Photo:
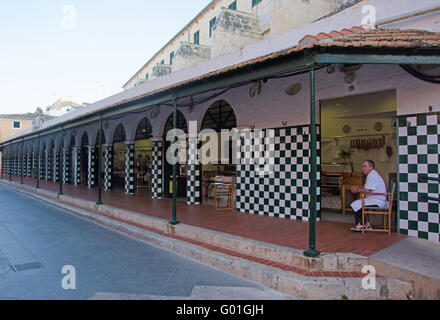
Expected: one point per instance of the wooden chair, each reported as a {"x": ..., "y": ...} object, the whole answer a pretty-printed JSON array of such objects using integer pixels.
[
  {"x": 140, "y": 186},
  {"x": 379, "y": 211},
  {"x": 224, "y": 190}
]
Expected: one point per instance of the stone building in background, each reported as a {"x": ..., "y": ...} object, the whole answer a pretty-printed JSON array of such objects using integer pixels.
[{"x": 228, "y": 25}]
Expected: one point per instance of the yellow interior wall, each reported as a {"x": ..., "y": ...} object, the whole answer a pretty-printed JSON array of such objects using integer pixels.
[{"x": 361, "y": 113}]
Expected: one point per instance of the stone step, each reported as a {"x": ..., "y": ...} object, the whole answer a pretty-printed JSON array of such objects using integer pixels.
[{"x": 313, "y": 285}]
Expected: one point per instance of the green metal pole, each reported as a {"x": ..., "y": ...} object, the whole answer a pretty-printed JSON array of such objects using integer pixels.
[
  {"x": 38, "y": 165},
  {"x": 99, "y": 163},
  {"x": 60, "y": 164},
  {"x": 174, "y": 219},
  {"x": 312, "y": 252}
]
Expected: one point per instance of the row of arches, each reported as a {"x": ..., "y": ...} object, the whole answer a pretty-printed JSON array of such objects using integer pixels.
[{"x": 121, "y": 160}]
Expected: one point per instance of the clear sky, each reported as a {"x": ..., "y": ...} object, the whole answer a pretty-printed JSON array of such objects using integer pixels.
[{"x": 78, "y": 49}]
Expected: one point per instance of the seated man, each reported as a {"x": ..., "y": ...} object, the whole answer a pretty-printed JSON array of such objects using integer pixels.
[{"x": 373, "y": 184}]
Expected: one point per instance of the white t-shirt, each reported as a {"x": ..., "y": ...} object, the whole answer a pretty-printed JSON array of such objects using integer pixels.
[{"x": 375, "y": 184}]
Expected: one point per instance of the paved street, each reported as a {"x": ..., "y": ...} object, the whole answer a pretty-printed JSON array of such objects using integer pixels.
[{"x": 38, "y": 240}]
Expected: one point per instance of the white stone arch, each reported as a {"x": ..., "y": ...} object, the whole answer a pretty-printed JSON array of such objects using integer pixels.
[
  {"x": 166, "y": 116},
  {"x": 138, "y": 122},
  {"x": 112, "y": 130},
  {"x": 206, "y": 106},
  {"x": 68, "y": 134}
]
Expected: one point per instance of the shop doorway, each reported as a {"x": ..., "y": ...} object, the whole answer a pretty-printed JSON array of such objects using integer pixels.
[
  {"x": 84, "y": 158},
  {"x": 168, "y": 168},
  {"x": 143, "y": 151},
  {"x": 119, "y": 154},
  {"x": 354, "y": 129},
  {"x": 220, "y": 116}
]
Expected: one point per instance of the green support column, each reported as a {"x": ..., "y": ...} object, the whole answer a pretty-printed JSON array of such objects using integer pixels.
[
  {"x": 312, "y": 252},
  {"x": 174, "y": 219},
  {"x": 99, "y": 202}
]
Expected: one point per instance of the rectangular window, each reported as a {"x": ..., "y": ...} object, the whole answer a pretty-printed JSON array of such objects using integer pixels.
[
  {"x": 197, "y": 37},
  {"x": 146, "y": 76},
  {"x": 211, "y": 25},
  {"x": 171, "y": 58},
  {"x": 16, "y": 125},
  {"x": 255, "y": 2},
  {"x": 163, "y": 61},
  {"x": 233, "y": 5}
]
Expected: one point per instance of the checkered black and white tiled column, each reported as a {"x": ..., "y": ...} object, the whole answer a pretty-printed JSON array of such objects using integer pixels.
[
  {"x": 47, "y": 168},
  {"x": 157, "y": 169},
  {"x": 49, "y": 163},
  {"x": 15, "y": 165},
  {"x": 66, "y": 166},
  {"x": 29, "y": 165},
  {"x": 273, "y": 173},
  {"x": 41, "y": 165},
  {"x": 19, "y": 165},
  {"x": 194, "y": 188},
  {"x": 91, "y": 165},
  {"x": 129, "y": 169},
  {"x": 419, "y": 171},
  {"x": 56, "y": 165},
  {"x": 34, "y": 164},
  {"x": 108, "y": 168},
  {"x": 76, "y": 158}
]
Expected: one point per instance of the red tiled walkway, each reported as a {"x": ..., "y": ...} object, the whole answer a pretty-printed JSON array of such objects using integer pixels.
[{"x": 331, "y": 236}]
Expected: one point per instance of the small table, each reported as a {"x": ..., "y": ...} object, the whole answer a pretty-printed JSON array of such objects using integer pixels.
[{"x": 345, "y": 188}]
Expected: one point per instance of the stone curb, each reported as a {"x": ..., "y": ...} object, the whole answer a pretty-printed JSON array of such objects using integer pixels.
[
  {"x": 338, "y": 262},
  {"x": 312, "y": 288}
]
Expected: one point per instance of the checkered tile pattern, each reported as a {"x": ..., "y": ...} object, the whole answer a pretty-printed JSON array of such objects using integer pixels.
[
  {"x": 56, "y": 165},
  {"x": 129, "y": 169},
  {"x": 47, "y": 166},
  {"x": 108, "y": 168},
  {"x": 29, "y": 164},
  {"x": 193, "y": 188},
  {"x": 91, "y": 176},
  {"x": 273, "y": 173},
  {"x": 23, "y": 164},
  {"x": 34, "y": 165},
  {"x": 156, "y": 170},
  {"x": 419, "y": 138},
  {"x": 19, "y": 165},
  {"x": 66, "y": 166},
  {"x": 3, "y": 164},
  {"x": 41, "y": 165},
  {"x": 15, "y": 165},
  {"x": 76, "y": 174},
  {"x": 49, "y": 171}
]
